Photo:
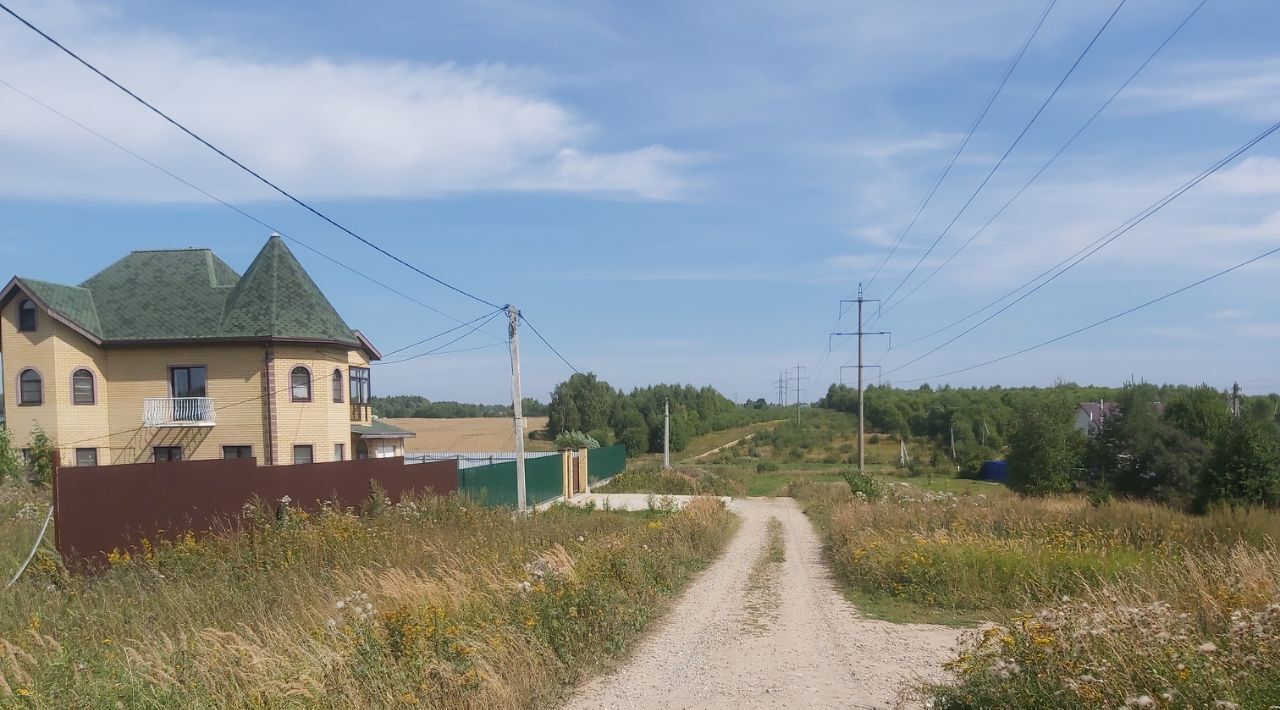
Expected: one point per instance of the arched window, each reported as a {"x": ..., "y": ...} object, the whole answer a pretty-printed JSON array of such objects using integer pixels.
[
  {"x": 82, "y": 387},
  {"x": 300, "y": 381},
  {"x": 362, "y": 450},
  {"x": 26, "y": 315},
  {"x": 337, "y": 386},
  {"x": 30, "y": 388}
]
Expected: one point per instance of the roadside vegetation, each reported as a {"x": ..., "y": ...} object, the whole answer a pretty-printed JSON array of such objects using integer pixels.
[
  {"x": 434, "y": 602},
  {"x": 1116, "y": 604}
]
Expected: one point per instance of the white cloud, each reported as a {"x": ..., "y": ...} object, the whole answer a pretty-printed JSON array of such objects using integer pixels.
[
  {"x": 894, "y": 148},
  {"x": 1246, "y": 87},
  {"x": 1229, "y": 314},
  {"x": 321, "y": 127},
  {"x": 1255, "y": 175}
]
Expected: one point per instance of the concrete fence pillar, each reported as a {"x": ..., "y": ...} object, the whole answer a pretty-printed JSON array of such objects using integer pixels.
[
  {"x": 582, "y": 469},
  {"x": 566, "y": 472}
]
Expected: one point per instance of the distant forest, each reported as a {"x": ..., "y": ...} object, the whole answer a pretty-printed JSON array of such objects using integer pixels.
[
  {"x": 1190, "y": 447},
  {"x": 590, "y": 405},
  {"x": 412, "y": 405}
]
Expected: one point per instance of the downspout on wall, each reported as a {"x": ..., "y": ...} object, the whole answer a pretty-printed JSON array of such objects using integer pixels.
[{"x": 269, "y": 399}]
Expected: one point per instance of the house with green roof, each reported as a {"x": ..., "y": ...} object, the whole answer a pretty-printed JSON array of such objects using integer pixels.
[{"x": 170, "y": 354}]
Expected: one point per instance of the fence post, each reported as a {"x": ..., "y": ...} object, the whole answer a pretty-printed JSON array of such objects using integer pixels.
[
  {"x": 566, "y": 471},
  {"x": 582, "y": 470},
  {"x": 57, "y": 522}
]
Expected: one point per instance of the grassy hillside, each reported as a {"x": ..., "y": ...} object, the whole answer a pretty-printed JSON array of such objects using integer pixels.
[{"x": 782, "y": 453}]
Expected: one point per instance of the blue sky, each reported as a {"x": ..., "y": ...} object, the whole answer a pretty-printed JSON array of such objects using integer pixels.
[{"x": 677, "y": 191}]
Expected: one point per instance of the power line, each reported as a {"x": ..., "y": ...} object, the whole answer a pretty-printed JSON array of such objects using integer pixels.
[
  {"x": 972, "y": 129},
  {"x": 1101, "y": 242},
  {"x": 438, "y": 348},
  {"x": 1104, "y": 321},
  {"x": 126, "y": 150},
  {"x": 444, "y": 333},
  {"x": 236, "y": 162},
  {"x": 1054, "y": 157},
  {"x": 549, "y": 345},
  {"x": 1071, "y": 70}
]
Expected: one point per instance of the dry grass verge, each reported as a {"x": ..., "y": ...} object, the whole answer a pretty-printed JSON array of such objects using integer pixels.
[
  {"x": 435, "y": 603},
  {"x": 1126, "y": 604}
]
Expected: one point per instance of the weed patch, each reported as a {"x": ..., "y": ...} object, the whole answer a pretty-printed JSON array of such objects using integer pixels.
[
  {"x": 1116, "y": 604},
  {"x": 432, "y": 603},
  {"x": 764, "y": 595}
]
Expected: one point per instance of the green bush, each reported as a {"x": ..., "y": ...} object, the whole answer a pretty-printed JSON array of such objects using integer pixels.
[
  {"x": 576, "y": 440},
  {"x": 862, "y": 484},
  {"x": 10, "y": 461},
  {"x": 40, "y": 463},
  {"x": 766, "y": 466}
]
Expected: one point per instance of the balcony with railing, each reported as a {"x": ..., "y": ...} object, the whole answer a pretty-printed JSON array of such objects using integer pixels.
[
  {"x": 360, "y": 412},
  {"x": 178, "y": 412}
]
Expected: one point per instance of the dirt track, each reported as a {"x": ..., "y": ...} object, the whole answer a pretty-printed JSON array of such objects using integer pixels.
[{"x": 791, "y": 641}]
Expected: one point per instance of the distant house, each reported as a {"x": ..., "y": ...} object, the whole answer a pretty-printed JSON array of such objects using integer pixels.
[
  {"x": 170, "y": 355},
  {"x": 1090, "y": 415}
]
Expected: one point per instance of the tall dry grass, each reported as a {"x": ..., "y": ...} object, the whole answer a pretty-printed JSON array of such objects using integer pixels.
[
  {"x": 435, "y": 603},
  {"x": 1125, "y": 604}
]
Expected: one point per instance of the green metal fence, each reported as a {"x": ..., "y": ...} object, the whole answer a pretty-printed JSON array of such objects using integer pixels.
[
  {"x": 605, "y": 462},
  {"x": 495, "y": 484}
]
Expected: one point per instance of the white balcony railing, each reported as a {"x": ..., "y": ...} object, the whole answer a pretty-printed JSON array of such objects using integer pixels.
[{"x": 178, "y": 411}]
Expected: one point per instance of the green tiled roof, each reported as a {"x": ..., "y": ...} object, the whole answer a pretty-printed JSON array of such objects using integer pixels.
[
  {"x": 277, "y": 298},
  {"x": 162, "y": 295},
  {"x": 191, "y": 294},
  {"x": 379, "y": 428},
  {"x": 73, "y": 302}
]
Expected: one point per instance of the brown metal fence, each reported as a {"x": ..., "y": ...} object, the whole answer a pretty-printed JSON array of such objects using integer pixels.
[{"x": 98, "y": 509}]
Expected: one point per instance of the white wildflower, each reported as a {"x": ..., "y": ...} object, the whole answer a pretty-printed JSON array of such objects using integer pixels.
[
  {"x": 285, "y": 500},
  {"x": 1141, "y": 701},
  {"x": 1207, "y": 647}
]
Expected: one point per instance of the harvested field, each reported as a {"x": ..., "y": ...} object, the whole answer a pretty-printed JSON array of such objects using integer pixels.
[{"x": 474, "y": 434}]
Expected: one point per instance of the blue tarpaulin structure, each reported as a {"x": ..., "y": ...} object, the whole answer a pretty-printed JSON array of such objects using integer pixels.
[{"x": 995, "y": 471}]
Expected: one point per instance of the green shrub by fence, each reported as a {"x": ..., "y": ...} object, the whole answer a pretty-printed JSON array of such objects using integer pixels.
[
  {"x": 605, "y": 463},
  {"x": 495, "y": 484}
]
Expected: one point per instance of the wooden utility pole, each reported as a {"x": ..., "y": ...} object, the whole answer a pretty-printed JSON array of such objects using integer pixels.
[
  {"x": 1235, "y": 399},
  {"x": 666, "y": 434},
  {"x": 517, "y": 402},
  {"x": 859, "y": 333}
]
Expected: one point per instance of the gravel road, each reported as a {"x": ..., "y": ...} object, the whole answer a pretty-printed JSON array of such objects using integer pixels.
[{"x": 746, "y": 635}]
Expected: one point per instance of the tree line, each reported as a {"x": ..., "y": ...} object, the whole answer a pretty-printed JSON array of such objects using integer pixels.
[
  {"x": 1177, "y": 444},
  {"x": 405, "y": 406},
  {"x": 585, "y": 403}
]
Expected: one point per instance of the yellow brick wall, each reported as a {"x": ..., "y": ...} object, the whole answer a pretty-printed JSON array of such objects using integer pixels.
[
  {"x": 234, "y": 382},
  {"x": 321, "y": 423},
  {"x": 79, "y": 425},
  {"x": 36, "y": 350}
]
